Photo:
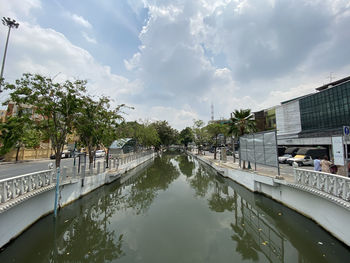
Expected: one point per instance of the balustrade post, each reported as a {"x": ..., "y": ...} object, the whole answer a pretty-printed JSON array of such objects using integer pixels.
[
  {"x": 98, "y": 167},
  {"x": 13, "y": 189},
  {"x": 1, "y": 193}
]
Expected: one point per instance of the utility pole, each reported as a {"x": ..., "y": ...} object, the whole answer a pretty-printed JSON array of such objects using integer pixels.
[{"x": 11, "y": 24}]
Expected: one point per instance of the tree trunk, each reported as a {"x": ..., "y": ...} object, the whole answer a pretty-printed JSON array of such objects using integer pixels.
[
  {"x": 58, "y": 157},
  {"x": 91, "y": 157},
  {"x": 17, "y": 152}
]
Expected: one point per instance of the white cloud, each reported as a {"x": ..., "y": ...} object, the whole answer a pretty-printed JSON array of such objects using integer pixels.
[
  {"x": 79, "y": 20},
  {"x": 232, "y": 53},
  {"x": 48, "y": 52},
  {"x": 19, "y": 9},
  {"x": 88, "y": 38},
  {"x": 271, "y": 51}
]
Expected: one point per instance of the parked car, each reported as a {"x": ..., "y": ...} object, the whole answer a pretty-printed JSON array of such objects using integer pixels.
[
  {"x": 100, "y": 153},
  {"x": 307, "y": 155},
  {"x": 288, "y": 153},
  {"x": 65, "y": 154}
]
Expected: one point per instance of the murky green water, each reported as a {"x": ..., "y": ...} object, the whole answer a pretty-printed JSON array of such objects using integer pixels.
[{"x": 175, "y": 210}]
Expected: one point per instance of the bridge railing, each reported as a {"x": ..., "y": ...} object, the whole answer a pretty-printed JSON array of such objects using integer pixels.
[
  {"x": 332, "y": 184},
  {"x": 11, "y": 188}
]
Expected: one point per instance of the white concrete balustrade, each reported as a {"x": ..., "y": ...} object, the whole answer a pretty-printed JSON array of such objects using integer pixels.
[
  {"x": 25, "y": 199},
  {"x": 331, "y": 184},
  {"x": 12, "y": 188}
]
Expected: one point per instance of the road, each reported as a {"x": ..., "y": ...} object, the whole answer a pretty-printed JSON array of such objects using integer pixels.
[{"x": 15, "y": 169}]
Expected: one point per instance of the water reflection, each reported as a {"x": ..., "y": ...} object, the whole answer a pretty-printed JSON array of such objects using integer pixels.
[
  {"x": 175, "y": 210},
  {"x": 143, "y": 188}
]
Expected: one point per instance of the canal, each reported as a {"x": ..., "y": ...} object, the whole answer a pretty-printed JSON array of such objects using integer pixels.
[{"x": 175, "y": 210}]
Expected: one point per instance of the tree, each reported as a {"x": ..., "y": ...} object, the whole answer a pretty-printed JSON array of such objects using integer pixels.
[
  {"x": 57, "y": 105},
  {"x": 186, "y": 136},
  {"x": 242, "y": 122},
  {"x": 200, "y": 133},
  {"x": 95, "y": 124},
  {"x": 167, "y": 135},
  {"x": 144, "y": 133},
  {"x": 18, "y": 132},
  {"x": 215, "y": 129}
]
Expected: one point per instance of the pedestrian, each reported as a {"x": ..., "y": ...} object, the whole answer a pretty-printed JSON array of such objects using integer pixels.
[
  {"x": 325, "y": 164},
  {"x": 317, "y": 164}
]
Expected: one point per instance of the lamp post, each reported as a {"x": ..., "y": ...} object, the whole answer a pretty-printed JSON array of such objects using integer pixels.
[{"x": 10, "y": 23}]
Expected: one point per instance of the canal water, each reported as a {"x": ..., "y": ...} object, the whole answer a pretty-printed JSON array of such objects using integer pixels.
[{"x": 175, "y": 210}]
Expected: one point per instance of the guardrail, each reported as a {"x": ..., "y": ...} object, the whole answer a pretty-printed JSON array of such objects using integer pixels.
[
  {"x": 11, "y": 188},
  {"x": 335, "y": 185}
]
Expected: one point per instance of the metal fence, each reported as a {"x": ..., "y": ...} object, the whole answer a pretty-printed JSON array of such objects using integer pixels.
[{"x": 259, "y": 148}]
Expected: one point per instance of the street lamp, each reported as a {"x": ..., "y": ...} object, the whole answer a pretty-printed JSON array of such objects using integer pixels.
[{"x": 10, "y": 23}]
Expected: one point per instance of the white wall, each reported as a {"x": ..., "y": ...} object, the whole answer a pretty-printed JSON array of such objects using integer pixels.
[
  {"x": 21, "y": 216},
  {"x": 331, "y": 216},
  {"x": 288, "y": 118}
]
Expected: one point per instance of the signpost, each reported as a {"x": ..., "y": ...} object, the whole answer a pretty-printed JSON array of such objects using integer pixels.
[
  {"x": 346, "y": 132},
  {"x": 338, "y": 150}
]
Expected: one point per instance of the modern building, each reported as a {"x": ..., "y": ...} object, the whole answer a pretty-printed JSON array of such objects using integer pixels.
[{"x": 313, "y": 119}]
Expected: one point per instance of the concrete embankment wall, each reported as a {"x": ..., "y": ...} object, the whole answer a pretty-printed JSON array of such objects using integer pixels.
[
  {"x": 330, "y": 215},
  {"x": 18, "y": 218}
]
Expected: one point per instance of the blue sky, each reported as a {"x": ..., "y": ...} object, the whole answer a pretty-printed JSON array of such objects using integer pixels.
[{"x": 171, "y": 59}]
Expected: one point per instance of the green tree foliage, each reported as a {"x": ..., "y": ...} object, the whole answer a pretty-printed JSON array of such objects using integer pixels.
[
  {"x": 200, "y": 134},
  {"x": 56, "y": 103},
  {"x": 186, "y": 136},
  {"x": 214, "y": 130},
  {"x": 145, "y": 133},
  {"x": 242, "y": 122},
  {"x": 96, "y": 123},
  {"x": 18, "y": 132},
  {"x": 167, "y": 135}
]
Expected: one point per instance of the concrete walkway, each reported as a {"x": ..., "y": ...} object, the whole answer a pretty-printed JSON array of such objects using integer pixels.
[{"x": 286, "y": 171}]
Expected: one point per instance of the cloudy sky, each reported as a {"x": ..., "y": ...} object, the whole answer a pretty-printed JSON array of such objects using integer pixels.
[{"x": 170, "y": 59}]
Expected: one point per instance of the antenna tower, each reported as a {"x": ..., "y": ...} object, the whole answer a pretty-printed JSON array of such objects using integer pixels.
[{"x": 212, "y": 111}]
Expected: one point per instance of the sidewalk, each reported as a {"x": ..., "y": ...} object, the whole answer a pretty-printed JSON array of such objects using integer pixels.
[{"x": 285, "y": 171}]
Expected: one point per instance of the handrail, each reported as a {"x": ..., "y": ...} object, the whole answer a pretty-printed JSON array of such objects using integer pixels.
[
  {"x": 13, "y": 187},
  {"x": 332, "y": 184}
]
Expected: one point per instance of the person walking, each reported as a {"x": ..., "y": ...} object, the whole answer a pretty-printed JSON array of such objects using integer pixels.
[
  {"x": 317, "y": 164},
  {"x": 325, "y": 164}
]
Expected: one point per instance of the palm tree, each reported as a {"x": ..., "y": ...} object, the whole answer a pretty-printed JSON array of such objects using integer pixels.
[{"x": 242, "y": 122}]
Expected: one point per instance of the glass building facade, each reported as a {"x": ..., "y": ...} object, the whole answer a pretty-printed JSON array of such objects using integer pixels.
[{"x": 328, "y": 109}]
